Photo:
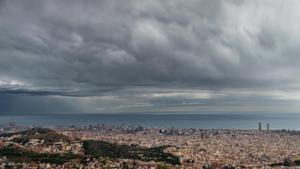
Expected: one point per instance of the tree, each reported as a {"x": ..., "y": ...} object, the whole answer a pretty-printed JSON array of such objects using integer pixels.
[{"x": 125, "y": 165}]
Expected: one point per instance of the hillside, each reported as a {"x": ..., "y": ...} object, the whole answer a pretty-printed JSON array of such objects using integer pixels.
[
  {"x": 106, "y": 149},
  {"x": 48, "y": 135},
  {"x": 17, "y": 154}
]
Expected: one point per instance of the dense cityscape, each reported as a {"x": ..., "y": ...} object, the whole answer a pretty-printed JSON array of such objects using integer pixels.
[{"x": 127, "y": 146}]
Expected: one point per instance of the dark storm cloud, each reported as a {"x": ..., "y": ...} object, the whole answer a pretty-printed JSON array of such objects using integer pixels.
[
  {"x": 117, "y": 48},
  {"x": 28, "y": 105}
]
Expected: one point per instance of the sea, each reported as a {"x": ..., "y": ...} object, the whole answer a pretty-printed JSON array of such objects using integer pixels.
[{"x": 183, "y": 120}]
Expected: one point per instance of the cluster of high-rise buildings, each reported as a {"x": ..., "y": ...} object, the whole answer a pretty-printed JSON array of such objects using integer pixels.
[{"x": 260, "y": 128}]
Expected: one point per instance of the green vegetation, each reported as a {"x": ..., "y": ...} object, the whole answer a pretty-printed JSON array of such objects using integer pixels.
[
  {"x": 297, "y": 162},
  {"x": 106, "y": 149},
  {"x": 29, "y": 132},
  {"x": 49, "y": 136},
  {"x": 276, "y": 164},
  {"x": 287, "y": 163},
  {"x": 125, "y": 166},
  {"x": 21, "y": 155}
]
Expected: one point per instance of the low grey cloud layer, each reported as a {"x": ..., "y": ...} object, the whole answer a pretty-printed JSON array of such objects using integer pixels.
[{"x": 162, "y": 56}]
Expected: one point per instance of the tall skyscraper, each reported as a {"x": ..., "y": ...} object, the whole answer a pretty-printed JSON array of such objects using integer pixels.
[
  {"x": 268, "y": 126},
  {"x": 259, "y": 126}
]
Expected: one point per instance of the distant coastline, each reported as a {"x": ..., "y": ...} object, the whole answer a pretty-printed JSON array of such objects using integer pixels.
[{"x": 207, "y": 121}]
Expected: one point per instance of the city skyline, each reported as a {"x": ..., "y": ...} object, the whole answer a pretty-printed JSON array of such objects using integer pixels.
[{"x": 64, "y": 57}]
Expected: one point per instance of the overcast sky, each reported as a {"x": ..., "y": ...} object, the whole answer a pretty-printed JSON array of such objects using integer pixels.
[{"x": 107, "y": 56}]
